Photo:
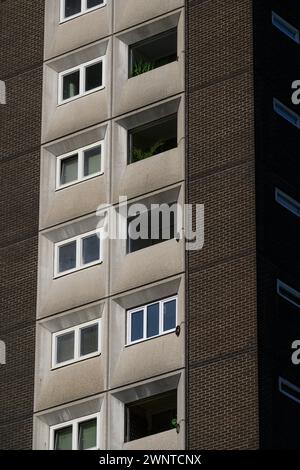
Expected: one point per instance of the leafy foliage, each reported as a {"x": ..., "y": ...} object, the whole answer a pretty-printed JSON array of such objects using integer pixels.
[
  {"x": 142, "y": 67},
  {"x": 139, "y": 154}
]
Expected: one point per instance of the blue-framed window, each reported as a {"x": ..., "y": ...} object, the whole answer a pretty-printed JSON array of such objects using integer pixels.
[
  {"x": 288, "y": 202},
  {"x": 285, "y": 27},
  {"x": 288, "y": 293},
  {"x": 289, "y": 389},
  {"x": 286, "y": 113}
]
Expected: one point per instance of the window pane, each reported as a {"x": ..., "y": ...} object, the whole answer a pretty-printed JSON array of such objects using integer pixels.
[
  {"x": 65, "y": 347},
  {"x": 72, "y": 7},
  {"x": 87, "y": 434},
  {"x": 90, "y": 249},
  {"x": 93, "y": 3},
  {"x": 63, "y": 439},
  {"x": 71, "y": 85},
  {"x": 69, "y": 169},
  {"x": 137, "y": 322},
  {"x": 92, "y": 161},
  {"x": 152, "y": 320},
  {"x": 88, "y": 340},
  {"x": 67, "y": 257},
  {"x": 170, "y": 315},
  {"x": 93, "y": 76}
]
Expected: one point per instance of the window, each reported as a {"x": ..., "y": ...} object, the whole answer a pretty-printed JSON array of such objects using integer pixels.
[
  {"x": 151, "y": 416},
  {"x": 71, "y": 8},
  {"x": 151, "y": 320},
  {"x": 288, "y": 293},
  {"x": 153, "y": 52},
  {"x": 152, "y": 138},
  {"x": 286, "y": 113},
  {"x": 80, "y": 165},
  {"x": 76, "y": 343},
  {"x": 287, "y": 202},
  {"x": 289, "y": 389},
  {"x": 77, "y": 253},
  {"x": 81, "y": 80},
  {"x": 151, "y": 227},
  {"x": 285, "y": 27},
  {"x": 78, "y": 434}
]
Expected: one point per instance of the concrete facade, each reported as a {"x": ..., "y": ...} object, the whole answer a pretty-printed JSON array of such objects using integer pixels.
[{"x": 120, "y": 281}]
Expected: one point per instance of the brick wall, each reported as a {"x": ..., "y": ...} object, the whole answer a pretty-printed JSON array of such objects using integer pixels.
[
  {"x": 21, "y": 58},
  {"x": 222, "y": 405}
]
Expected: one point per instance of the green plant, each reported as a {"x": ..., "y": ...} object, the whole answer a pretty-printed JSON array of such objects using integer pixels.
[
  {"x": 173, "y": 422},
  {"x": 142, "y": 67},
  {"x": 139, "y": 154}
]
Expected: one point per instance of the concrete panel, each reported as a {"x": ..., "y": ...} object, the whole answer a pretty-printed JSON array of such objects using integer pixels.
[
  {"x": 76, "y": 32},
  {"x": 150, "y": 87},
  {"x": 57, "y": 206},
  {"x": 160, "y": 355},
  {"x": 59, "y": 120},
  {"x": 138, "y": 11},
  {"x": 152, "y": 173},
  {"x": 74, "y": 289},
  {"x": 139, "y": 391},
  {"x": 150, "y": 264},
  {"x": 57, "y": 386},
  {"x": 43, "y": 420}
]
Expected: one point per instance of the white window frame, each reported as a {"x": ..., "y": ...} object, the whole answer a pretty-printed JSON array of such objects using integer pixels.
[
  {"x": 84, "y": 9},
  {"x": 77, "y": 343},
  {"x": 80, "y": 175},
  {"x": 75, "y": 431},
  {"x": 79, "y": 264},
  {"x": 82, "y": 77},
  {"x": 161, "y": 317}
]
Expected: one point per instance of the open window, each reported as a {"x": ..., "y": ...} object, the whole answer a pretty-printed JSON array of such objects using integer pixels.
[
  {"x": 152, "y": 226},
  {"x": 151, "y": 415},
  {"x": 153, "y": 52},
  {"x": 152, "y": 138}
]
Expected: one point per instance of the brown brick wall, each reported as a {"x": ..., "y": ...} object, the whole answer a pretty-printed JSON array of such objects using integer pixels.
[
  {"x": 222, "y": 405},
  {"x": 21, "y": 58}
]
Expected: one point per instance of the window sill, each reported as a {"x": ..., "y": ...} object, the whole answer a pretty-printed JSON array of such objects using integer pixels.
[
  {"x": 75, "y": 183},
  {"x": 77, "y": 361},
  {"x": 72, "y": 271},
  {"x": 77, "y": 97},
  {"x": 134, "y": 343}
]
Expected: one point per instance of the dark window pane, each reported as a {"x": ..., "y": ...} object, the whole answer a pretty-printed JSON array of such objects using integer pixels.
[
  {"x": 93, "y": 76},
  {"x": 137, "y": 323},
  {"x": 90, "y": 249},
  {"x": 72, "y": 7},
  {"x": 92, "y": 160},
  {"x": 87, "y": 434},
  {"x": 71, "y": 85},
  {"x": 94, "y": 3},
  {"x": 151, "y": 415},
  {"x": 63, "y": 439},
  {"x": 65, "y": 347},
  {"x": 153, "y": 52},
  {"x": 156, "y": 230},
  {"x": 152, "y": 320},
  {"x": 67, "y": 257},
  {"x": 152, "y": 139},
  {"x": 88, "y": 340},
  {"x": 169, "y": 315},
  {"x": 69, "y": 169}
]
